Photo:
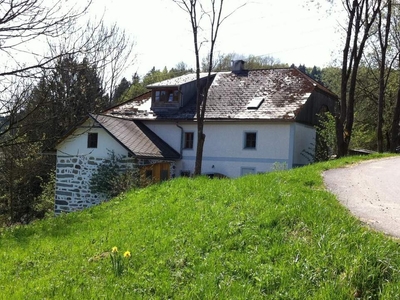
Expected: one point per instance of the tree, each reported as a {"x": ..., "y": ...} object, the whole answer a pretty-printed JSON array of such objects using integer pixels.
[
  {"x": 121, "y": 90},
  {"x": 60, "y": 27},
  {"x": 23, "y": 21},
  {"x": 196, "y": 11},
  {"x": 361, "y": 17},
  {"x": 22, "y": 172},
  {"x": 395, "y": 128},
  {"x": 223, "y": 62},
  {"x": 63, "y": 97},
  {"x": 110, "y": 50},
  {"x": 383, "y": 34}
]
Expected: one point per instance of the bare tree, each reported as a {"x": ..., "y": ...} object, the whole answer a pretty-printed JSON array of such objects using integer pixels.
[
  {"x": 64, "y": 33},
  {"x": 25, "y": 26},
  {"x": 24, "y": 21},
  {"x": 111, "y": 51},
  {"x": 197, "y": 11},
  {"x": 362, "y": 15}
]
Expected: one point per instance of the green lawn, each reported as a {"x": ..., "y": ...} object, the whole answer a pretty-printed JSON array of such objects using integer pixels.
[{"x": 279, "y": 235}]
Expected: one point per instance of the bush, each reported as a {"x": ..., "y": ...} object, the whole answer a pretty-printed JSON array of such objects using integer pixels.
[{"x": 114, "y": 176}]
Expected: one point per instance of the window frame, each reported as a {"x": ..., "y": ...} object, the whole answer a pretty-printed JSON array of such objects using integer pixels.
[
  {"x": 92, "y": 140},
  {"x": 188, "y": 144},
  {"x": 167, "y": 95},
  {"x": 247, "y": 141}
]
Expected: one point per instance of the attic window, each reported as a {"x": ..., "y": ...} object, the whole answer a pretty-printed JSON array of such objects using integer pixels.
[
  {"x": 255, "y": 103},
  {"x": 166, "y": 96}
]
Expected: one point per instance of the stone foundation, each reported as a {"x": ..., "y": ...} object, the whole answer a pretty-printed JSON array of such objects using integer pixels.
[{"x": 73, "y": 181}]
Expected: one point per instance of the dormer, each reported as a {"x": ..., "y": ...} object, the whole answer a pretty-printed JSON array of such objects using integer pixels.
[
  {"x": 172, "y": 94},
  {"x": 166, "y": 98}
]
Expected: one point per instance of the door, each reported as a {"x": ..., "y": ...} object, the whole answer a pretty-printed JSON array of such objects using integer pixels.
[{"x": 154, "y": 173}]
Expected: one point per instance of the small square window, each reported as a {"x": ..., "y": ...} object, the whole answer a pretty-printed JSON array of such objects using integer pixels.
[
  {"x": 92, "y": 140},
  {"x": 188, "y": 141},
  {"x": 250, "y": 140}
]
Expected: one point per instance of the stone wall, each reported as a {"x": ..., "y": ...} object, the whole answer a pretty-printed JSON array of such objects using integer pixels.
[
  {"x": 73, "y": 183},
  {"x": 73, "y": 174}
]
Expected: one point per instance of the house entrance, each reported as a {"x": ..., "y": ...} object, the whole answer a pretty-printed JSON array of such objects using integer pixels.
[{"x": 154, "y": 173}]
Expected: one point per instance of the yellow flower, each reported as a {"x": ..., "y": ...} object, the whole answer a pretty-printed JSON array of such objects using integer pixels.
[
  {"x": 127, "y": 254},
  {"x": 114, "y": 249}
]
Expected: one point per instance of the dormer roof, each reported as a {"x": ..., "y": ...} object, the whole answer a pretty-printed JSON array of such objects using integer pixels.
[{"x": 177, "y": 81}]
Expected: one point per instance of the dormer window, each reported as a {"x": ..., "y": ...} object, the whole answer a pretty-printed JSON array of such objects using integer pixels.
[{"x": 166, "y": 96}]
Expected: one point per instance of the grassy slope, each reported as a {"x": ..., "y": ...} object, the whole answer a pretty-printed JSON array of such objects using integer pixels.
[{"x": 275, "y": 236}]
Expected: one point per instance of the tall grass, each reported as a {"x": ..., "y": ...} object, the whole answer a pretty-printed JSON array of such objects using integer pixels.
[{"x": 269, "y": 236}]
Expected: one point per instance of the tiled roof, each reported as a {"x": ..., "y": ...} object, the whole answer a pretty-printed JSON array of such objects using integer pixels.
[
  {"x": 271, "y": 94},
  {"x": 280, "y": 92},
  {"x": 137, "y": 138}
]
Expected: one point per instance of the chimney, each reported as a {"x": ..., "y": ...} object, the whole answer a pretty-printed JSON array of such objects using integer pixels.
[{"x": 237, "y": 66}]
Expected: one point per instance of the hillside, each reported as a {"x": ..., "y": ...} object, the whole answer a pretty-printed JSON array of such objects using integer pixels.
[{"x": 270, "y": 236}]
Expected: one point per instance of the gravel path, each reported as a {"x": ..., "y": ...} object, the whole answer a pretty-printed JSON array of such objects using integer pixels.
[{"x": 371, "y": 191}]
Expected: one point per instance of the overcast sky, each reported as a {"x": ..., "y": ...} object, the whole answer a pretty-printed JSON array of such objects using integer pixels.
[{"x": 293, "y": 31}]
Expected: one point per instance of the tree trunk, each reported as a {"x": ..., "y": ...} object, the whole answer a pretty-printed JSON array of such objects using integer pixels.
[
  {"x": 383, "y": 40},
  {"x": 395, "y": 124},
  {"x": 201, "y": 137}
]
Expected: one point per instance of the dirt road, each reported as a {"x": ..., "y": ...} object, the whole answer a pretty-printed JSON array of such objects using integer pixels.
[{"x": 371, "y": 191}]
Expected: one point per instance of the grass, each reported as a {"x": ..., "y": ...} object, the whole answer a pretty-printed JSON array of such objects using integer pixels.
[{"x": 269, "y": 236}]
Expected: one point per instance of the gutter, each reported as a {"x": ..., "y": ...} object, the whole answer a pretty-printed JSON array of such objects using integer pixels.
[{"x": 181, "y": 147}]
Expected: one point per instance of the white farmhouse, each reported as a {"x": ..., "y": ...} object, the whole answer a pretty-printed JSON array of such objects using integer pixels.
[{"x": 254, "y": 119}]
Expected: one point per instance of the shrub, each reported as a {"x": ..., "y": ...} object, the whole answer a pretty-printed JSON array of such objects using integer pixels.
[{"x": 114, "y": 176}]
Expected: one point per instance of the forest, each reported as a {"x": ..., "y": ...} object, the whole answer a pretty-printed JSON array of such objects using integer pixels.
[{"x": 85, "y": 73}]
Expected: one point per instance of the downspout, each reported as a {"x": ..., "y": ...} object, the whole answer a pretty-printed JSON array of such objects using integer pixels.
[{"x": 181, "y": 147}]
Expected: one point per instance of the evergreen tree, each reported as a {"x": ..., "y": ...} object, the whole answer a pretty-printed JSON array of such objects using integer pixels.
[
  {"x": 63, "y": 98},
  {"x": 121, "y": 90}
]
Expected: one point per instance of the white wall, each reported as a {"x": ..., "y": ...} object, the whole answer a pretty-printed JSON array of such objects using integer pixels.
[
  {"x": 76, "y": 143},
  {"x": 76, "y": 164},
  {"x": 304, "y": 144},
  {"x": 224, "y": 146}
]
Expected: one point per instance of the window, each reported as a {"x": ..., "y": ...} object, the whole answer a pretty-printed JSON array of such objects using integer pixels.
[
  {"x": 188, "y": 140},
  {"x": 157, "y": 96},
  {"x": 250, "y": 141},
  {"x": 166, "y": 96},
  {"x": 92, "y": 140}
]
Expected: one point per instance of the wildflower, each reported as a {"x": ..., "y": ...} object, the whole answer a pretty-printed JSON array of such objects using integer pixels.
[
  {"x": 127, "y": 254},
  {"x": 114, "y": 249}
]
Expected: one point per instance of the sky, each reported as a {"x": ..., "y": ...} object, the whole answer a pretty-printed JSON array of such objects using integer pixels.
[{"x": 291, "y": 31}]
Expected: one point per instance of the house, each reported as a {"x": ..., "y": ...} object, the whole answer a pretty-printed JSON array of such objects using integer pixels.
[{"x": 254, "y": 119}]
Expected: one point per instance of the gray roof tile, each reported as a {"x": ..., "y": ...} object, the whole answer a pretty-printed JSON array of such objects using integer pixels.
[{"x": 137, "y": 138}]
